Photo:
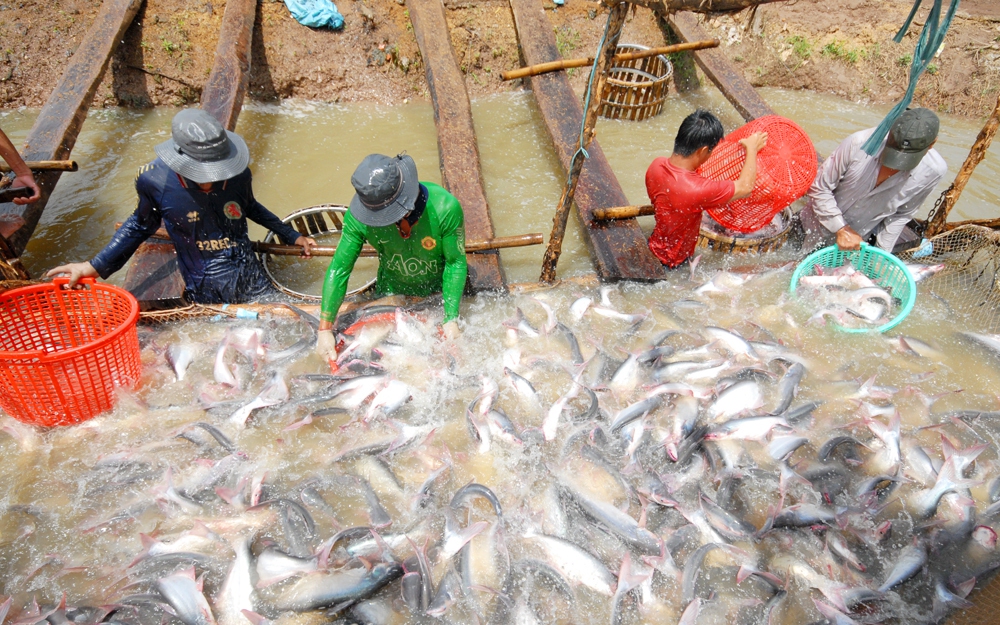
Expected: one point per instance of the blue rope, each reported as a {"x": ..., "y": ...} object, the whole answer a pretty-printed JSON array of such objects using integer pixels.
[
  {"x": 927, "y": 46},
  {"x": 586, "y": 103}
]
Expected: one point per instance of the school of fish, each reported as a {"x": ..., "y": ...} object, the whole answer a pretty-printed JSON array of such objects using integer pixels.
[{"x": 586, "y": 454}]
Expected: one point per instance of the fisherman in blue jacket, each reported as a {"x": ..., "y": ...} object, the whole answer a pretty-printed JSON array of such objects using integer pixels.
[{"x": 200, "y": 187}]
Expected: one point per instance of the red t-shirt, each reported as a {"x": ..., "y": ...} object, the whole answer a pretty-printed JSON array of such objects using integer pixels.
[{"x": 679, "y": 196}]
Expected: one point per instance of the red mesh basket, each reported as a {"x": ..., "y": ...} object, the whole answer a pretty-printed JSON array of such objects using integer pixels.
[
  {"x": 786, "y": 168},
  {"x": 63, "y": 352}
]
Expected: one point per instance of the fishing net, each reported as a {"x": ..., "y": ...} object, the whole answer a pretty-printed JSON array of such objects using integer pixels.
[
  {"x": 786, "y": 167},
  {"x": 985, "y": 600},
  {"x": 192, "y": 311},
  {"x": 968, "y": 282}
]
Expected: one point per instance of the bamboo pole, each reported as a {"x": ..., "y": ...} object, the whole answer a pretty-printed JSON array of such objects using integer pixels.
[
  {"x": 45, "y": 166},
  {"x": 616, "y": 20},
  {"x": 936, "y": 223},
  {"x": 496, "y": 243},
  {"x": 623, "y": 212},
  {"x": 552, "y": 66},
  {"x": 275, "y": 249}
]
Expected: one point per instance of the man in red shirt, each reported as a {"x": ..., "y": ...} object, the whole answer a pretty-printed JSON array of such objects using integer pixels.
[{"x": 679, "y": 194}]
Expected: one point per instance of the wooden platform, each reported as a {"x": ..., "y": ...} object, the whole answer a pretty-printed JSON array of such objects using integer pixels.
[
  {"x": 618, "y": 248},
  {"x": 457, "y": 146},
  {"x": 58, "y": 125}
]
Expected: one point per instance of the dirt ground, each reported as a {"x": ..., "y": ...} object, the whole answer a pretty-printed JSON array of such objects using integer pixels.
[{"x": 843, "y": 47}]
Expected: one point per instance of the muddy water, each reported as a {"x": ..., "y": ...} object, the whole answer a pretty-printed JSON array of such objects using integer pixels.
[
  {"x": 304, "y": 154},
  {"x": 77, "y": 500}
]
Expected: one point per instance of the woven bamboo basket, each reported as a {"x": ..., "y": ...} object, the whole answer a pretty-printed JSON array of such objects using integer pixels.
[
  {"x": 636, "y": 89},
  {"x": 768, "y": 239}
]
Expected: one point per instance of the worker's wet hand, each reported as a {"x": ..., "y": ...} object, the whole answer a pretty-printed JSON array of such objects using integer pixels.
[
  {"x": 451, "y": 330},
  {"x": 326, "y": 344},
  {"x": 848, "y": 239},
  {"x": 27, "y": 180},
  {"x": 307, "y": 244},
  {"x": 754, "y": 142},
  {"x": 75, "y": 271}
]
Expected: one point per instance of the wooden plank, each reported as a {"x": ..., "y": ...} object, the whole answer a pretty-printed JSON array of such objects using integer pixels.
[
  {"x": 719, "y": 70},
  {"x": 227, "y": 84},
  {"x": 618, "y": 248},
  {"x": 457, "y": 147},
  {"x": 55, "y": 131},
  {"x": 223, "y": 97}
]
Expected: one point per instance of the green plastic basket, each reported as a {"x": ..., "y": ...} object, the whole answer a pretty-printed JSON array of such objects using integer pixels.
[{"x": 883, "y": 268}]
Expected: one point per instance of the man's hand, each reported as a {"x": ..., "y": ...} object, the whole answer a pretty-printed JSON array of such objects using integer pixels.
[
  {"x": 326, "y": 344},
  {"x": 75, "y": 271},
  {"x": 27, "y": 180},
  {"x": 306, "y": 243},
  {"x": 451, "y": 330},
  {"x": 848, "y": 239},
  {"x": 754, "y": 142}
]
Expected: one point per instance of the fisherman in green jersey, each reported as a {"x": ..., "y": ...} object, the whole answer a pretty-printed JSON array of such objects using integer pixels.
[{"x": 418, "y": 230}]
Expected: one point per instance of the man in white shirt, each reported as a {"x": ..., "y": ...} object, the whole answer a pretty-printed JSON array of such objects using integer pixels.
[{"x": 857, "y": 197}]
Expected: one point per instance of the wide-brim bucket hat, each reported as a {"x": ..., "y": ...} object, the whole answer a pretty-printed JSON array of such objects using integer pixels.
[
  {"x": 201, "y": 150},
  {"x": 387, "y": 189}
]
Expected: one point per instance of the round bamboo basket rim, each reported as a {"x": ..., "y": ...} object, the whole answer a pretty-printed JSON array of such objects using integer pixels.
[{"x": 749, "y": 242}]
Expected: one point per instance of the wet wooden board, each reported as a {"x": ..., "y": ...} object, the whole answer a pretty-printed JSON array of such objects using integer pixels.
[
  {"x": 457, "y": 147},
  {"x": 55, "y": 131},
  {"x": 719, "y": 70},
  {"x": 222, "y": 97},
  {"x": 617, "y": 248},
  {"x": 160, "y": 284},
  {"x": 230, "y": 78}
]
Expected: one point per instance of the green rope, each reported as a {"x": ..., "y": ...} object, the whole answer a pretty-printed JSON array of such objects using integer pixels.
[{"x": 927, "y": 46}]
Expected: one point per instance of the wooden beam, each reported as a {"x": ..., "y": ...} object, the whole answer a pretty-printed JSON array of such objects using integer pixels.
[
  {"x": 618, "y": 248},
  {"x": 719, "y": 70},
  {"x": 227, "y": 84},
  {"x": 457, "y": 147},
  {"x": 55, "y": 131},
  {"x": 152, "y": 276}
]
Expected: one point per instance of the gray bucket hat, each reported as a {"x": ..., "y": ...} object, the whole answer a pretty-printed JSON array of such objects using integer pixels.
[
  {"x": 387, "y": 189},
  {"x": 909, "y": 139},
  {"x": 200, "y": 149}
]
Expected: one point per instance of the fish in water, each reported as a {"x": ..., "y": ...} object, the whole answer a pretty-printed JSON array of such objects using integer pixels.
[{"x": 567, "y": 468}]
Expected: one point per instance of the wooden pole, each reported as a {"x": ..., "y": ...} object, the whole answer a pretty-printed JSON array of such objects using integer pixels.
[
  {"x": 936, "y": 223},
  {"x": 45, "y": 166},
  {"x": 623, "y": 212},
  {"x": 544, "y": 68},
  {"x": 484, "y": 245},
  {"x": 521, "y": 240},
  {"x": 616, "y": 20}
]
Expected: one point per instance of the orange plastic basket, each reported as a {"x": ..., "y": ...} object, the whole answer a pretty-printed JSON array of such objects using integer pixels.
[
  {"x": 63, "y": 352},
  {"x": 786, "y": 168}
]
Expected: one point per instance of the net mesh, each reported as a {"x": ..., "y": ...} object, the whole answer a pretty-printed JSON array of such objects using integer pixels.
[
  {"x": 968, "y": 280},
  {"x": 786, "y": 167}
]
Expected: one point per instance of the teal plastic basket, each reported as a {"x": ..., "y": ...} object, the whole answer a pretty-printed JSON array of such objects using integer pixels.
[{"x": 883, "y": 268}]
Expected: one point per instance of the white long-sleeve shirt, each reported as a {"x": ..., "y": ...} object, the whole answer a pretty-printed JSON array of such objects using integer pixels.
[{"x": 844, "y": 193}]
